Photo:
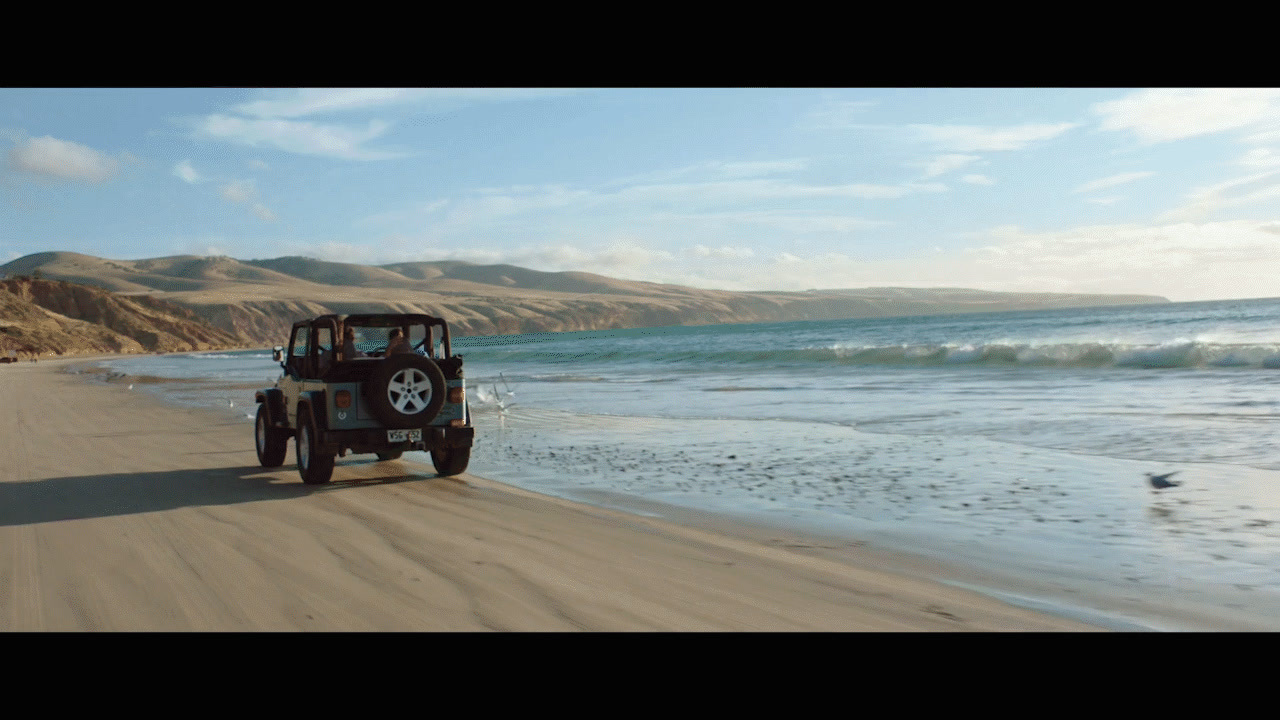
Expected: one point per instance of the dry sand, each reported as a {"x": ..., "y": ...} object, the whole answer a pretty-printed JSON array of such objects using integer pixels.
[{"x": 120, "y": 513}]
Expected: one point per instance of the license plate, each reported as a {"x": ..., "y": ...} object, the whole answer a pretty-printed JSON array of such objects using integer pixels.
[{"x": 403, "y": 435}]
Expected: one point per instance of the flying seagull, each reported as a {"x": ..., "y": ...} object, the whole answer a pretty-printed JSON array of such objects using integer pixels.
[{"x": 1160, "y": 482}]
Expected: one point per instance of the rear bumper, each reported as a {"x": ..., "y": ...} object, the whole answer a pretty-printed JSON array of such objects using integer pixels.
[{"x": 371, "y": 440}]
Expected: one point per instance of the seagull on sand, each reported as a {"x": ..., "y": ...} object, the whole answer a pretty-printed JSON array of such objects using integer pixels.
[{"x": 1160, "y": 482}]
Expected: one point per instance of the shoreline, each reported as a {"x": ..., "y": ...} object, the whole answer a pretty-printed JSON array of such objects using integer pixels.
[
  {"x": 1074, "y": 585},
  {"x": 1112, "y": 551},
  {"x": 164, "y": 521}
]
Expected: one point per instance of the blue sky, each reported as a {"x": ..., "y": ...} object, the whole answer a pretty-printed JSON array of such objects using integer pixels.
[{"x": 1166, "y": 191}]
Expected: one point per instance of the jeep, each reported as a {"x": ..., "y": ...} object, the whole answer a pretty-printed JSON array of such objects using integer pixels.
[{"x": 365, "y": 395}]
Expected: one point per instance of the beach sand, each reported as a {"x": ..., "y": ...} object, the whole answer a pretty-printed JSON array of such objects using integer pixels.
[{"x": 118, "y": 512}]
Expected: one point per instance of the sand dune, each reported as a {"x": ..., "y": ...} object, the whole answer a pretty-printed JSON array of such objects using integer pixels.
[{"x": 119, "y": 513}]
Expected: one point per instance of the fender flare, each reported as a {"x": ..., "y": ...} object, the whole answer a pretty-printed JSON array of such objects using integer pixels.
[
  {"x": 314, "y": 400},
  {"x": 274, "y": 400}
]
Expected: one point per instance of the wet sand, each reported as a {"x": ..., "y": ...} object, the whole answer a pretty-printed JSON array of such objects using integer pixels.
[
  {"x": 118, "y": 512},
  {"x": 1080, "y": 535}
]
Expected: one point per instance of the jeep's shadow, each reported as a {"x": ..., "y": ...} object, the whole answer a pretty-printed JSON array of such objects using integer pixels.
[{"x": 107, "y": 495}]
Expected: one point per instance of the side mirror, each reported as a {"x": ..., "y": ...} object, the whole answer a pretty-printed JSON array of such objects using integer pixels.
[{"x": 277, "y": 353}]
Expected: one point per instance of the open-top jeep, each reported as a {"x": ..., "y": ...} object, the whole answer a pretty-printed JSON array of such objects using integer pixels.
[{"x": 369, "y": 394}]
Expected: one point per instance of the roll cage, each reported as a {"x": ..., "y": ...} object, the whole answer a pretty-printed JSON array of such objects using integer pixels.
[{"x": 315, "y": 345}]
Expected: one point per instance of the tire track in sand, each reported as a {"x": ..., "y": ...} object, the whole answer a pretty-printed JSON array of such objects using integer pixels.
[{"x": 23, "y": 594}]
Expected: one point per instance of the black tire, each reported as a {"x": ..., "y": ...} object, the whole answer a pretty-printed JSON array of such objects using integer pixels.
[
  {"x": 393, "y": 455},
  {"x": 406, "y": 391},
  {"x": 451, "y": 461},
  {"x": 314, "y": 466},
  {"x": 272, "y": 444}
]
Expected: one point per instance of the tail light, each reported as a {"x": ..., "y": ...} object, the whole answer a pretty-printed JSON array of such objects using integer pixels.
[
  {"x": 457, "y": 394},
  {"x": 342, "y": 398}
]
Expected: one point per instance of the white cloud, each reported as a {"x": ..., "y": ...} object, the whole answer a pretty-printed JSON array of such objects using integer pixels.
[
  {"x": 244, "y": 192},
  {"x": 304, "y": 138},
  {"x": 1103, "y": 200},
  {"x": 239, "y": 191},
  {"x": 310, "y": 101},
  {"x": 735, "y": 170},
  {"x": 725, "y": 251},
  {"x": 978, "y": 179},
  {"x": 262, "y": 212},
  {"x": 1112, "y": 181},
  {"x": 187, "y": 173},
  {"x": 62, "y": 159},
  {"x": 1269, "y": 134},
  {"x": 1186, "y": 261},
  {"x": 785, "y": 221},
  {"x": 973, "y": 138},
  {"x": 302, "y": 102},
  {"x": 1167, "y": 114},
  {"x": 836, "y": 115},
  {"x": 629, "y": 256},
  {"x": 256, "y": 164},
  {"x": 763, "y": 202},
  {"x": 871, "y": 191},
  {"x": 1260, "y": 157},
  {"x": 946, "y": 163},
  {"x": 1237, "y": 192}
]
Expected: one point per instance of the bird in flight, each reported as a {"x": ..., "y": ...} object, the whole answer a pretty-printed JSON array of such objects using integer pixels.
[{"x": 1160, "y": 482}]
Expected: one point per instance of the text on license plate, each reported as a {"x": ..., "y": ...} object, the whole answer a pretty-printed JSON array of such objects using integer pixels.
[{"x": 402, "y": 435}]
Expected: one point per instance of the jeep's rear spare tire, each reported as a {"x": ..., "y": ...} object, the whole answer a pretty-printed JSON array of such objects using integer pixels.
[{"x": 405, "y": 391}]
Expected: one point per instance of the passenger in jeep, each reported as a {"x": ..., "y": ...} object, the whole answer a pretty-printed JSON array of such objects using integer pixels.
[
  {"x": 398, "y": 343},
  {"x": 349, "y": 350}
]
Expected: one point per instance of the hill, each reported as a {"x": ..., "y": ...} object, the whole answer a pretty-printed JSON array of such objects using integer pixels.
[{"x": 255, "y": 301}]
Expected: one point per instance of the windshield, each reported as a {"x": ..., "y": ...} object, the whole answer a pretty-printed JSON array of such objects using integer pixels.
[{"x": 372, "y": 341}]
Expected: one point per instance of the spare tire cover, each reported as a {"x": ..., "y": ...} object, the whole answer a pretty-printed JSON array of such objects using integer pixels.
[{"x": 405, "y": 391}]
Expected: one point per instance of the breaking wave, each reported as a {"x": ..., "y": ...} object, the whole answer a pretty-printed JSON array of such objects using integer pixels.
[
  {"x": 1184, "y": 354},
  {"x": 1188, "y": 354}
]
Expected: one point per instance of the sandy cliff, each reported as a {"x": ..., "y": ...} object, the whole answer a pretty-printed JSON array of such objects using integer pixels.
[
  {"x": 43, "y": 316},
  {"x": 254, "y": 302}
]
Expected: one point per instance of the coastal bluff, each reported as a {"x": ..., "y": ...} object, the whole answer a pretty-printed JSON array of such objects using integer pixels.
[{"x": 66, "y": 302}]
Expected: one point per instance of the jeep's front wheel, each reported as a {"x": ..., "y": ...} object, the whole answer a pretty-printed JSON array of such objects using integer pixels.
[
  {"x": 271, "y": 443},
  {"x": 450, "y": 461},
  {"x": 314, "y": 466}
]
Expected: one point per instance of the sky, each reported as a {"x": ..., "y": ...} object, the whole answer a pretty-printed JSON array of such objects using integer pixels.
[{"x": 1163, "y": 191}]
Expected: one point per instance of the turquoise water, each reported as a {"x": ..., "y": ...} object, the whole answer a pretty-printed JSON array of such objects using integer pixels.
[{"x": 1018, "y": 440}]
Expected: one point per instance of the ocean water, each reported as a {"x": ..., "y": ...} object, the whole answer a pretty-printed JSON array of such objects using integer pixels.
[{"x": 1017, "y": 442}]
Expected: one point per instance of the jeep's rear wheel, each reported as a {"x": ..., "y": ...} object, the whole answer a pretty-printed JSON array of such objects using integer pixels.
[
  {"x": 450, "y": 461},
  {"x": 314, "y": 466},
  {"x": 393, "y": 455},
  {"x": 406, "y": 391},
  {"x": 271, "y": 443}
]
